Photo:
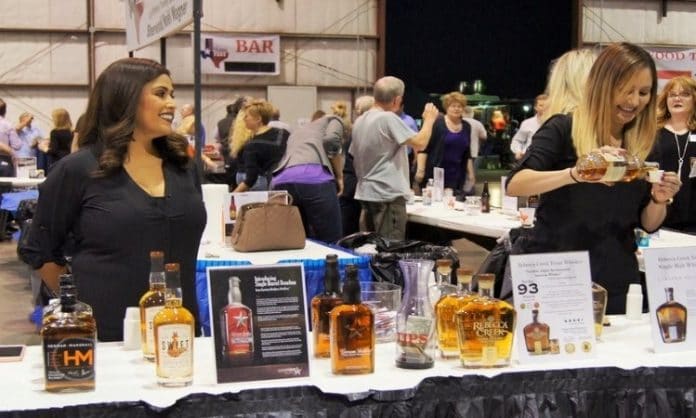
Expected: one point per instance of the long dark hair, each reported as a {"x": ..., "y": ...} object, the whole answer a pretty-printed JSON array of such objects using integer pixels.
[{"x": 111, "y": 110}]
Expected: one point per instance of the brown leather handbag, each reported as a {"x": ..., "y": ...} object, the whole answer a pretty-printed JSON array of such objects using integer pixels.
[{"x": 267, "y": 227}]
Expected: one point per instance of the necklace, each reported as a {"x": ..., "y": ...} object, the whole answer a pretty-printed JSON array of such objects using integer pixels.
[{"x": 681, "y": 154}]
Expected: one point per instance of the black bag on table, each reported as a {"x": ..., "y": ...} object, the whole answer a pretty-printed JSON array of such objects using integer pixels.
[{"x": 385, "y": 264}]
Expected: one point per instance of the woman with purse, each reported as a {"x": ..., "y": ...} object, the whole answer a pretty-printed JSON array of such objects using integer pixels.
[{"x": 263, "y": 151}]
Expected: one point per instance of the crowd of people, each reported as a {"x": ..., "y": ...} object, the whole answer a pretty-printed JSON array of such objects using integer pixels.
[{"x": 131, "y": 185}]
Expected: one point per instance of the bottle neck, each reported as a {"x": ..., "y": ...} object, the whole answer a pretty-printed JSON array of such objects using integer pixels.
[
  {"x": 331, "y": 279},
  {"x": 157, "y": 278},
  {"x": 485, "y": 292}
]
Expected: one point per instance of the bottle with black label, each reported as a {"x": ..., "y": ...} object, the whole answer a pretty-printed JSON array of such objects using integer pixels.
[
  {"x": 485, "y": 199},
  {"x": 69, "y": 344}
]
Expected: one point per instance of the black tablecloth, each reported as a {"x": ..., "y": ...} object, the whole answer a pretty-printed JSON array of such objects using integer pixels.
[{"x": 597, "y": 392}]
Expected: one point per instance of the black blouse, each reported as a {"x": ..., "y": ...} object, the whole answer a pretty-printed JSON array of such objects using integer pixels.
[
  {"x": 585, "y": 216},
  {"x": 59, "y": 145},
  {"x": 261, "y": 154},
  {"x": 114, "y": 225},
  {"x": 681, "y": 214}
]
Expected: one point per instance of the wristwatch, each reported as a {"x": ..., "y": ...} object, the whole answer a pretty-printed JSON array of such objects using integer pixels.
[{"x": 666, "y": 202}]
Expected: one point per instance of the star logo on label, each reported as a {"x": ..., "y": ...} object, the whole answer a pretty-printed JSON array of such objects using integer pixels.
[{"x": 241, "y": 319}]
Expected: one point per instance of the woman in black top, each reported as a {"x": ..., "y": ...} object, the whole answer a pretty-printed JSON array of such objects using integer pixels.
[
  {"x": 616, "y": 115},
  {"x": 261, "y": 154},
  {"x": 129, "y": 190},
  {"x": 676, "y": 141},
  {"x": 61, "y": 137}
]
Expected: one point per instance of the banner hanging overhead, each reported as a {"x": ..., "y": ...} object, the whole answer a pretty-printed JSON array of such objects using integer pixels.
[
  {"x": 672, "y": 62},
  {"x": 246, "y": 55},
  {"x": 149, "y": 20}
]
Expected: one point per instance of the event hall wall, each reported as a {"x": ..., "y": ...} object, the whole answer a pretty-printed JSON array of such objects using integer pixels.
[{"x": 51, "y": 51}]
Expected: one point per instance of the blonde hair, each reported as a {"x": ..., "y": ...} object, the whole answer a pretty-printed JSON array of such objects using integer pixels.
[
  {"x": 340, "y": 109},
  {"x": 687, "y": 84},
  {"x": 615, "y": 65},
  {"x": 567, "y": 80},
  {"x": 239, "y": 134},
  {"x": 454, "y": 97},
  {"x": 61, "y": 119},
  {"x": 363, "y": 104}
]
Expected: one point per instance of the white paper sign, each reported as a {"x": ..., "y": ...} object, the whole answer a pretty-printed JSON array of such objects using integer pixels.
[
  {"x": 509, "y": 202},
  {"x": 669, "y": 276},
  {"x": 439, "y": 182},
  {"x": 557, "y": 289},
  {"x": 149, "y": 20}
]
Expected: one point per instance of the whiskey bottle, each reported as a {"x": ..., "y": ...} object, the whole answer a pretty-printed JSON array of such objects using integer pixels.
[
  {"x": 671, "y": 317},
  {"x": 174, "y": 333},
  {"x": 69, "y": 344},
  {"x": 67, "y": 287},
  {"x": 485, "y": 199},
  {"x": 236, "y": 322},
  {"x": 322, "y": 305},
  {"x": 352, "y": 336},
  {"x": 415, "y": 320},
  {"x": 445, "y": 310},
  {"x": 599, "y": 308},
  {"x": 442, "y": 285},
  {"x": 536, "y": 335},
  {"x": 151, "y": 303},
  {"x": 609, "y": 167},
  {"x": 485, "y": 327}
]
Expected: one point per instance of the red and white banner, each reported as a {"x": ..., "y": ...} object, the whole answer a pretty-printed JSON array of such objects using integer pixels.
[
  {"x": 236, "y": 54},
  {"x": 149, "y": 20},
  {"x": 672, "y": 62}
]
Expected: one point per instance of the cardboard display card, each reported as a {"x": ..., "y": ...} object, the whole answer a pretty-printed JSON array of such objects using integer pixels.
[
  {"x": 259, "y": 324},
  {"x": 553, "y": 299},
  {"x": 669, "y": 276}
]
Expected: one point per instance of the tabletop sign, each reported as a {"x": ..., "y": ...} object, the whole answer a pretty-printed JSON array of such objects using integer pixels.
[
  {"x": 258, "y": 324},
  {"x": 509, "y": 203},
  {"x": 553, "y": 298},
  {"x": 669, "y": 276},
  {"x": 439, "y": 183}
]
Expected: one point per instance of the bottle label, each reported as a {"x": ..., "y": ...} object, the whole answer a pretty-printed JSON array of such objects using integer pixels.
[
  {"x": 240, "y": 337},
  {"x": 150, "y": 313},
  {"x": 69, "y": 359},
  {"x": 417, "y": 332},
  {"x": 616, "y": 167},
  {"x": 175, "y": 350}
]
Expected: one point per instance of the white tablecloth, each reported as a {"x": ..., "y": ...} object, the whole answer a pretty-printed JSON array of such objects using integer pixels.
[
  {"x": 22, "y": 181},
  {"x": 125, "y": 376},
  {"x": 493, "y": 224}
]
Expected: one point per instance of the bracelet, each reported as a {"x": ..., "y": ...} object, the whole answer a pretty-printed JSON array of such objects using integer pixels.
[
  {"x": 572, "y": 176},
  {"x": 657, "y": 202}
]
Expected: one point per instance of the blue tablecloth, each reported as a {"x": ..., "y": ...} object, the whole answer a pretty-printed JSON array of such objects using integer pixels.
[
  {"x": 10, "y": 200},
  {"x": 313, "y": 270}
]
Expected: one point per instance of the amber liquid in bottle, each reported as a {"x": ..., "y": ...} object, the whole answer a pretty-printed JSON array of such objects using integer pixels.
[
  {"x": 352, "y": 335},
  {"x": 671, "y": 317},
  {"x": 445, "y": 310},
  {"x": 236, "y": 321},
  {"x": 67, "y": 287},
  {"x": 151, "y": 303},
  {"x": 485, "y": 199},
  {"x": 536, "y": 335},
  {"x": 174, "y": 334},
  {"x": 485, "y": 328},
  {"x": 69, "y": 344},
  {"x": 322, "y": 305}
]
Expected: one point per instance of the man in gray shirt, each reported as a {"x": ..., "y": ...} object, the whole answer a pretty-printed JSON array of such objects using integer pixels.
[{"x": 381, "y": 164}]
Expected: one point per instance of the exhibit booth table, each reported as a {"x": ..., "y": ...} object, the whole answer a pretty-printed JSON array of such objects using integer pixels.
[
  {"x": 626, "y": 379},
  {"x": 312, "y": 257}
]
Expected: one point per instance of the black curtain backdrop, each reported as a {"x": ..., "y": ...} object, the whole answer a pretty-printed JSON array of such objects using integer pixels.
[{"x": 433, "y": 45}]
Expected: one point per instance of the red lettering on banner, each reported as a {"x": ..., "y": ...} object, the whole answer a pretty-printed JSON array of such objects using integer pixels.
[
  {"x": 254, "y": 46},
  {"x": 267, "y": 46}
]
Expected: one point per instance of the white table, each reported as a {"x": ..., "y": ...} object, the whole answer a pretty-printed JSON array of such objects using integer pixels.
[
  {"x": 311, "y": 251},
  {"x": 123, "y": 376},
  {"x": 492, "y": 225},
  {"x": 22, "y": 181}
]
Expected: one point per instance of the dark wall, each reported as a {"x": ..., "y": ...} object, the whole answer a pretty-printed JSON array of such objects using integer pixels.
[{"x": 434, "y": 44}]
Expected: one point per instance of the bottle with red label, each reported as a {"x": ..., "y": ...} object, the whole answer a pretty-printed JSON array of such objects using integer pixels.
[
  {"x": 415, "y": 321},
  {"x": 236, "y": 322}
]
